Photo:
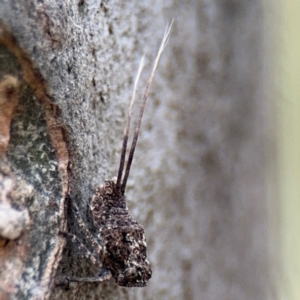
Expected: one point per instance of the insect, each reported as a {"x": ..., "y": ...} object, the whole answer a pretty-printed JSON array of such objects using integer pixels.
[{"x": 120, "y": 246}]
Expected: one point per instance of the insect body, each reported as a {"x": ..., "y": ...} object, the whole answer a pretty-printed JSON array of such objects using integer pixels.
[
  {"x": 123, "y": 237},
  {"x": 120, "y": 245}
]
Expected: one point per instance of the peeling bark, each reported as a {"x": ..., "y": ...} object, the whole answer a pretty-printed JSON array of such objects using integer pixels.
[{"x": 33, "y": 170}]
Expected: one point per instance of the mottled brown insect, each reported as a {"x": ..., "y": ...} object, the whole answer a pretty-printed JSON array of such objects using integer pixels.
[
  {"x": 124, "y": 239},
  {"x": 120, "y": 245}
]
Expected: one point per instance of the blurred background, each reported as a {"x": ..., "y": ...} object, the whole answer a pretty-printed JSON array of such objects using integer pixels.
[{"x": 284, "y": 22}]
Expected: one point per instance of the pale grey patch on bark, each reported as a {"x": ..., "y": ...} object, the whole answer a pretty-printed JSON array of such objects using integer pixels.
[{"x": 12, "y": 222}]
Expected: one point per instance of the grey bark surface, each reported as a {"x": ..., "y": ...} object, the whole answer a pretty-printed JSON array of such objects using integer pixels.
[{"x": 197, "y": 180}]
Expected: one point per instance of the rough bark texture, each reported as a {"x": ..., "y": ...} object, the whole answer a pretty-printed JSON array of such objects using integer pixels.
[{"x": 197, "y": 181}]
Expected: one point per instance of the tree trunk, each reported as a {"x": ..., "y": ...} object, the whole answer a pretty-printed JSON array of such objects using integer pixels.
[{"x": 197, "y": 181}]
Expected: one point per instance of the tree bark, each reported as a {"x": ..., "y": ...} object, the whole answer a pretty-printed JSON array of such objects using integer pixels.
[{"x": 197, "y": 181}]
